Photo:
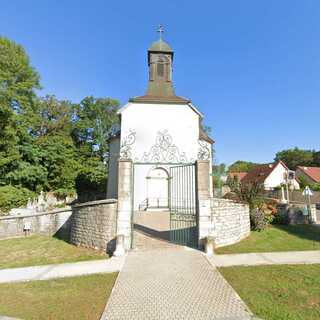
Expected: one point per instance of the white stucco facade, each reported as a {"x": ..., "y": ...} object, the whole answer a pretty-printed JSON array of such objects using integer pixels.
[
  {"x": 156, "y": 136},
  {"x": 149, "y": 122},
  {"x": 277, "y": 177}
]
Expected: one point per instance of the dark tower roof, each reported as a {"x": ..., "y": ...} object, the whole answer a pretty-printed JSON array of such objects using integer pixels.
[
  {"x": 160, "y": 46},
  {"x": 160, "y": 85}
]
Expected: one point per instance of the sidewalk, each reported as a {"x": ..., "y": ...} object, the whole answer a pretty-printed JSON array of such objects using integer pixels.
[
  {"x": 266, "y": 258},
  {"x": 172, "y": 283},
  {"x": 61, "y": 270}
]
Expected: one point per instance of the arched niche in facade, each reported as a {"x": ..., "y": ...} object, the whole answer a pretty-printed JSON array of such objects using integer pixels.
[{"x": 158, "y": 188}]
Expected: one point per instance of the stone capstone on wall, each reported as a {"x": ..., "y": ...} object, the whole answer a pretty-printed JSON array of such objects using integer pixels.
[
  {"x": 94, "y": 225},
  {"x": 230, "y": 221},
  {"x": 48, "y": 223}
]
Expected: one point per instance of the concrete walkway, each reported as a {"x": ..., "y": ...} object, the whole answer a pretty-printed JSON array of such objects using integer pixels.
[
  {"x": 254, "y": 259},
  {"x": 61, "y": 270},
  {"x": 172, "y": 283}
]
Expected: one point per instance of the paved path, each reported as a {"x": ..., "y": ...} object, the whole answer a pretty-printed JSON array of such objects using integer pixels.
[
  {"x": 172, "y": 283},
  {"x": 254, "y": 259},
  {"x": 61, "y": 270},
  {"x": 151, "y": 230}
]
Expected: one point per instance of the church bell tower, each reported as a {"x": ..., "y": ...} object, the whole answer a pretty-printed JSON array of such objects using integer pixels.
[
  {"x": 160, "y": 58},
  {"x": 160, "y": 86}
]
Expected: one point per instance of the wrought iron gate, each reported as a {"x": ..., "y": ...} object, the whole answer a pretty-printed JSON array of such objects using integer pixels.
[{"x": 183, "y": 205}]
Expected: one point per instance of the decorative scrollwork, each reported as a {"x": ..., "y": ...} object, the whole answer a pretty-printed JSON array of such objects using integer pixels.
[
  {"x": 204, "y": 150},
  {"x": 164, "y": 150},
  {"x": 126, "y": 144}
]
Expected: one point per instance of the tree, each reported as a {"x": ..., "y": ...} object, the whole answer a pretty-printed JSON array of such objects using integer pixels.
[
  {"x": 251, "y": 194},
  {"x": 94, "y": 120},
  {"x": 218, "y": 171},
  {"x": 247, "y": 192},
  {"x": 316, "y": 159},
  {"x": 61, "y": 161},
  {"x": 52, "y": 117},
  {"x": 295, "y": 157},
  {"x": 18, "y": 81},
  {"x": 303, "y": 182},
  {"x": 52, "y": 127},
  {"x": 46, "y": 143},
  {"x": 241, "y": 166}
]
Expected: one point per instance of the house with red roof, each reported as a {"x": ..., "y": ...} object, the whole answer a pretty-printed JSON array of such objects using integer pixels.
[
  {"x": 239, "y": 175},
  {"x": 271, "y": 175},
  {"x": 311, "y": 174}
]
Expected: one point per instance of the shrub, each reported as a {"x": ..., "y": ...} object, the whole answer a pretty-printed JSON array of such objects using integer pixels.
[
  {"x": 248, "y": 192},
  {"x": 13, "y": 197},
  {"x": 258, "y": 220},
  {"x": 303, "y": 182},
  {"x": 91, "y": 183},
  {"x": 316, "y": 187},
  {"x": 281, "y": 216}
]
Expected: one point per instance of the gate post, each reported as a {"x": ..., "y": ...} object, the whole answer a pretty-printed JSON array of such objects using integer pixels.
[
  {"x": 124, "y": 205},
  {"x": 203, "y": 199}
]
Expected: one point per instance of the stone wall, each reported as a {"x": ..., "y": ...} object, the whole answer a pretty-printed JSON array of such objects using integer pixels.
[
  {"x": 49, "y": 223},
  {"x": 298, "y": 213},
  {"x": 94, "y": 225},
  {"x": 294, "y": 196},
  {"x": 230, "y": 221}
]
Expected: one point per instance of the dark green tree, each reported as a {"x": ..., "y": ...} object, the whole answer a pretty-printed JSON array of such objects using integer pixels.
[
  {"x": 52, "y": 116},
  {"x": 241, "y": 166},
  {"x": 18, "y": 81},
  {"x": 45, "y": 143},
  {"x": 316, "y": 159},
  {"x": 94, "y": 120},
  {"x": 295, "y": 157}
]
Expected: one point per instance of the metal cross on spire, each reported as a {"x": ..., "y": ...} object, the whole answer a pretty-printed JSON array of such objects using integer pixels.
[{"x": 161, "y": 31}]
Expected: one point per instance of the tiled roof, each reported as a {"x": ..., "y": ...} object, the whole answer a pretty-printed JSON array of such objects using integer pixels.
[
  {"x": 312, "y": 172},
  {"x": 259, "y": 173},
  {"x": 160, "y": 99},
  {"x": 240, "y": 175}
]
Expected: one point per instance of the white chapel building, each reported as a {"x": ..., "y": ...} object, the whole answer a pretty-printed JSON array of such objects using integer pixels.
[{"x": 158, "y": 130}]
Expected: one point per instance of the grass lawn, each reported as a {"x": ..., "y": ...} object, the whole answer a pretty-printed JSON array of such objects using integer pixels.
[
  {"x": 68, "y": 298},
  {"x": 286, "y": 292},
  {"x": 39, "y": 250},
  {"x": 278, "y": 238}
]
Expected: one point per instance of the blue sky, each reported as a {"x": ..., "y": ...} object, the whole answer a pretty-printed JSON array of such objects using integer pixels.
[{"x": 252, "y": 67}]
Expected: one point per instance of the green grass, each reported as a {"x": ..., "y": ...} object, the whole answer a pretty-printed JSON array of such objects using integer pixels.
[
  {"x": 68, "y": 298},
  {"x": 286, "y": 292},
  {"x": 40, "y": 250},
  {"x": 278, "y": 238}
]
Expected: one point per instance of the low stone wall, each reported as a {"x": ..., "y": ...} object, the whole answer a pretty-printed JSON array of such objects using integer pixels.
[
  {"x": 294, "y": 196},
  {"x": 230, "y": 221},
  {"x": 298, "y": 213},
  {"x": 49, "y": 223},
  {"x": 94, "y": 225}
]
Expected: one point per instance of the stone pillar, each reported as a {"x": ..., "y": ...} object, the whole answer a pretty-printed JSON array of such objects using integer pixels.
[
  {"x": 313, "y": 213},
  {"x": 124, "y": 205},
  {"x": 204, "y": 206}
]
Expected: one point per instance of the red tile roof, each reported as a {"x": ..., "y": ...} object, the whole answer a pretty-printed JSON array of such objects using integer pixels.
[
  {"x": 240, "y": 175},
  {"x": 312, "y": 172},
  {"x": 259, "y": 173}
]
